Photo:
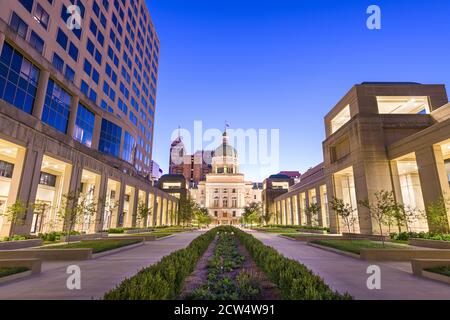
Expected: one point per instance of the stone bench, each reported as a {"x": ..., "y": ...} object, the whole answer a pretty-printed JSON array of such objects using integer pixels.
[
  {"x": 47, "y": 254},
  {"x": 20, "y": 244},
  {"x": 131, "y": 231},
  {"x": 34, "y": 265},
  {"x": 312, "y": 231}
]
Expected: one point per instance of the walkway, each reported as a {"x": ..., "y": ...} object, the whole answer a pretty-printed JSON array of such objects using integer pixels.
[
  {"x": 97, "y": 275},
  {"x": 347, "y": 274}
]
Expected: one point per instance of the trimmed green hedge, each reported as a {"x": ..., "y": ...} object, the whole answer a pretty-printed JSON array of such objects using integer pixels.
[
  {"x": 164, "y": 280},
  {"x": 404, "y": 236},
  {"x": 295, "y": 281}
]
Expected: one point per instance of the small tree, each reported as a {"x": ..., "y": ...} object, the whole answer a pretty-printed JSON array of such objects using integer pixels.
[
  {"x": 74, "y": 208},
  {"x": 266, "y": 217},
  {"x": 437, "y": 214},
  {"x": 16, "y": 213},
  {"x": 382, "y": 210},
  {"x": 312, "y": 212},
  {"x": 253, "y": 213},
  {"x": 202, "y": 216},
  {"x": 186, "y": 212},
  {"x": 40, "y": 208},
  {"x": 345, "y": 211},
  {"x": 142, "y": 212}
]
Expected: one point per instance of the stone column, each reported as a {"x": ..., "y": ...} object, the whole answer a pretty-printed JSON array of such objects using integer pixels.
[
  {"x": 134, "y": 207},
  {"x": 118, "y": 211},
  {"x": 40, "y": 94},
  {"x": 31, "y": 174},
  {"x": 73, "y": 116},
  {"x": 432, "y": 174},
  {"x": 101, "y": 202},
  {"x": 96, "y": 133},
  {"x": 2, "y": 41}
]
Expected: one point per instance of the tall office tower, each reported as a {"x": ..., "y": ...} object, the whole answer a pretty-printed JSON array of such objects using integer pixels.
[{"x": 77, "y": 106}]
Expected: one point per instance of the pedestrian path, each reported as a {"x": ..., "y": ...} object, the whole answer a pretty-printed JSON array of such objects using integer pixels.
[
  {"x": 97, "y": 275},
  {"x": 347, "y": 274}
]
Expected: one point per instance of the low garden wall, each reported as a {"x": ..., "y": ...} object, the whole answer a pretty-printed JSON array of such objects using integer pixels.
[
  {"x": 91, "y": 236},
  {"x": 436, "y": 244},
  {"x": 418, "y": 265},
  {"x": 33, "y": 264},
  {"x": 312, "y": 231},
  {"x": 358, "y": 236},
  {"x": 20, "y": 244},
  {"x": 403, "y": 254},
  {"x": 138, "y": 231},
  {"x": 47, "y": 254}
]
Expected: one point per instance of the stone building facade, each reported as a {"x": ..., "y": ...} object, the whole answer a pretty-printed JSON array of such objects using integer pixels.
[{"x": 380, "y": 136}]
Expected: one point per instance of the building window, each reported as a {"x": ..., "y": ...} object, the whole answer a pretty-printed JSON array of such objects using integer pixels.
[
  {"x": 47, "y": 179},
  {"x": 28, "y": 4},
  {"x": 128, "y": 147},
  {"x": 6, "y": 169},
  {"x": 403, "y": 105},
  {"x": 58, "y": 62},
  {"x": 70, "y": 74},
  {"x": 73, "y": 51},
  {"x": 41, "y": 16},
  {"x": 18, "y": 79},
  {"x": 110, "y": 136},
  {"x": 56, "y": 107},
  {"x": 37, "y": 42},
  {"x": 18, "y": 25},
  {"x": 340, "y": 119},
  {"x": 62, "y": 39},
  {"x": 84, "y": 126}
]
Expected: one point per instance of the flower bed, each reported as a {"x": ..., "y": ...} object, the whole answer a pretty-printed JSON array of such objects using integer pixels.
[
  {"x": 231, "y": 275},
  {"x": 4, "y": 272},
  {"x": 97, "y": 246}
]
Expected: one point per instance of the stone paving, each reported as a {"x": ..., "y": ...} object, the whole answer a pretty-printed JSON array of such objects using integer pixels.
[
  {"x": 346, "y": 274},
  {"x": 97, "y": 275}
]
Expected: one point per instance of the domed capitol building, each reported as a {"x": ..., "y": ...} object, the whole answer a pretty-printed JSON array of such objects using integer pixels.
[{"x": 225, "y": 193}]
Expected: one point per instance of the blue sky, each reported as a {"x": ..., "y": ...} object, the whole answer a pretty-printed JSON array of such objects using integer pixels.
[{"x": 283, "y": 64}]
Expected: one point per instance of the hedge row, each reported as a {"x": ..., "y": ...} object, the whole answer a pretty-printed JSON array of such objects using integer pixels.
[
  {"x": 295, "y": 281},
  {"x": 164, "y": 280}
]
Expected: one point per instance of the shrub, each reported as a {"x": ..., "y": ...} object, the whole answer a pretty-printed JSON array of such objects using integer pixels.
[
  {"x": 163, "y": 280},
  {"x": 116, "y": 230},
  {"x": 55, "y": 235},
  {"x": 295, "y": 281},
  {"x": 405, "y": 236}
]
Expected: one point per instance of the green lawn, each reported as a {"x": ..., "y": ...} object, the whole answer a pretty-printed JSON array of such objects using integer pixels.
[
  {"x": 97, "y": 246},
  {"x": 355, "y": 246},
  {"x": 4, "y": 272},
  {"x": 445, "y": 271}
]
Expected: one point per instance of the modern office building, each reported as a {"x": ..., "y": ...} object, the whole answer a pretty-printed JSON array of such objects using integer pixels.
[
  {"x": 155, "y": 171},
  {"x": 380, "y": 136},
  {"x": 77, "y": 107},
  {"x": 225, "y": 193}
]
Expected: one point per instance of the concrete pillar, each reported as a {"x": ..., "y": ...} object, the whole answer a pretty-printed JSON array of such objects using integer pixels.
[
  {"x": 40, "y": 94},
  {"x": 133, "y": 209},
  {"x": 101, "y": 202},
  {"x": 432, "y": 174},
  {"x": 334, "y": 220},
  {"x": 119, "y": 210},
  {"x": 299, "y": 213},
  {"x": 2, "y": 41},
  {"x": 96, "y": 133},
  {"x": 31, "y": 174},
  {"x": 73, "y": 115}
]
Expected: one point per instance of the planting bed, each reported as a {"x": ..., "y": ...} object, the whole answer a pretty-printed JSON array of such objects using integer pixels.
[
  {"x": 225, "y": 263},
  {"x": 227, "y": 272}
]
